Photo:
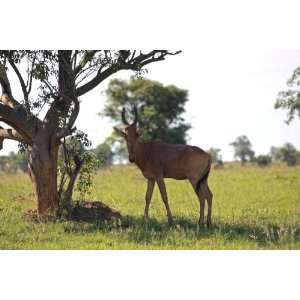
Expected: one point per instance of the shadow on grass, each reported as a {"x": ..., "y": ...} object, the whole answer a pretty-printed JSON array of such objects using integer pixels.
[{"x": 157, "y": 232}]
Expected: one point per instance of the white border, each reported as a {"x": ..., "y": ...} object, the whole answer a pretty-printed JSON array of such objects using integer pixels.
[{"x": 150, "y": 274}]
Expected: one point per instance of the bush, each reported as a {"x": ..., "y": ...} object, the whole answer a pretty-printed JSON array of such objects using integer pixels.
[{"x": 263, "y": 160}]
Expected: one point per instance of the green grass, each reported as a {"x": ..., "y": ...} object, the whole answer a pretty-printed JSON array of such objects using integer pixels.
[{"x": 253, "y": 208}]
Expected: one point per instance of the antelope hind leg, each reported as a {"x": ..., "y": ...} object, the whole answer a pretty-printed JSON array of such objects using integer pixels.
[
  {"x": 209, "y": 198},
  {"x": 201, "y": 199}
]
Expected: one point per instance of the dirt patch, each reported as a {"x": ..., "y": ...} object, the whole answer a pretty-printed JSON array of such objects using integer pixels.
[
  {"x": 83, "y": 211},
  {"x": 90, "y": 211}
]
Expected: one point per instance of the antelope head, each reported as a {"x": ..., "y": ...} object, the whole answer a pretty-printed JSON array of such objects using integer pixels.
[{"x": 129, "y": 133}]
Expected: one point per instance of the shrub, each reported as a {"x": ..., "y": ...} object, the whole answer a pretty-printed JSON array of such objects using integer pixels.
[{"x": 263, "y": 160}]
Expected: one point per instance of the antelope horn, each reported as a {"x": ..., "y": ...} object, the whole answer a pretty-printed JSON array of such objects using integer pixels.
[{"x": 123, "y": 117}]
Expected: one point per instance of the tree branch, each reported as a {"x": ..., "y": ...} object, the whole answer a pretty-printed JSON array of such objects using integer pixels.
[
  {"x": 84, "y": 60},
  {"x": 135, "y": 63},
  {"x": 6, "y": 97},
  {"x": 30, "y": 76},
  {"x": 22, "y": 83},
  {"x": 14, "y": 113},
  {"x": 12, "y": 134},
  {"x": 69, "y": 127},
  {"x": 18, "y": 121},
  {"x": 4, "y": 82},
  {"x": 11, "y": 102},
  {"x": 95, "y": 81},
  {"x": 162, "y": 56}
]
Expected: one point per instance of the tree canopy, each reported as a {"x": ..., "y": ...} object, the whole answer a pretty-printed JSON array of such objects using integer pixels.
[
  {"x": 214, "y": 154},
  {"x": 243, "y": 149},
  {"x": 160, "y": 108},
  {"x": 104, "y": 153},
  {"x": 290, "y": 99}
]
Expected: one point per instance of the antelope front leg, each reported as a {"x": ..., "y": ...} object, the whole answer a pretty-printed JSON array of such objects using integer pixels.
[
  {"x": 163, "y": 192},
  {"x": 148, "y": 198}
]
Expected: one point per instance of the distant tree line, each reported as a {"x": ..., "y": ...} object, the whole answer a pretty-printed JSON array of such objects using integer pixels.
[
  {"x": 106, "y": 154},
  {"x": 244, "y": 153},
  {"x": 13, "y": 162}
]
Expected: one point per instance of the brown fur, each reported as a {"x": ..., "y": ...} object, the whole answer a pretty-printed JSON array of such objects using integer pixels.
[{"x": 159, "y": 160}]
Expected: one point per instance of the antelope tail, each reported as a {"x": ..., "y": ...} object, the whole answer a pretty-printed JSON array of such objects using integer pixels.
[{"x": 202, "y": 179}]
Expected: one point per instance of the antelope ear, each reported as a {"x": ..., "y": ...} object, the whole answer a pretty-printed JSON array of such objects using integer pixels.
[{"x": 119, "y": 132}]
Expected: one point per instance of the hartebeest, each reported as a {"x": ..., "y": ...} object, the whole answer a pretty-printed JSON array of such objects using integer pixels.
[{"x": 159, "y": 160}]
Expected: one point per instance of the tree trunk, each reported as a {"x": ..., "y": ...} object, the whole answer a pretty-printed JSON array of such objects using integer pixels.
[
  {"x": 69, "y": 191},
  {"x": 43, "y": 172}
]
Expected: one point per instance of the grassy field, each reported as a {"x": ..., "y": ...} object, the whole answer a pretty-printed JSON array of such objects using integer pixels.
[{"x": 253, "y": 208}]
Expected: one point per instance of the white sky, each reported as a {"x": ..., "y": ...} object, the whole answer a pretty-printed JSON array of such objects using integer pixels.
[{"x": 230, "y": 94}]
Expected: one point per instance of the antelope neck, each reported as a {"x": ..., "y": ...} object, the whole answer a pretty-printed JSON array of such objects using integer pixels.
[{"x": 138, "y": 154}]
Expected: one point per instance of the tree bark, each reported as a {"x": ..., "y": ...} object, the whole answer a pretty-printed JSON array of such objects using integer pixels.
[
  {"x": 69, "y": 191},
  {"x": 42, "y": 160}
]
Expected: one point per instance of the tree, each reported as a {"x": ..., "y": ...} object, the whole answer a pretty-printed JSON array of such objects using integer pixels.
[
  {"x": 59, "y": 78},
  {"x": 214, "y": 154},
  {"x": 104, "y": 153},
  {"x": 276, "y": 153},
  {"x": 290, "y": 98},
  {"x": 21, "y": 161},
  {"x": 243, "y": 149},
  {"x": 287, "y": 153},
  {"x": 160, "y": 108}
]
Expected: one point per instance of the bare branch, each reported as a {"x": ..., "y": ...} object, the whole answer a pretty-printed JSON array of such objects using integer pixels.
[
  {"x": 19, "y": 121},
  {"x": 11, "y": 102},
  {"x": 135, "y": 63},
  {"x": 12, "y": 134},
  {"x": 85, "y": 73},
  {"x": 87, "y": 57},
  {"x": 13, "y": 113},
  {"x": 133, "y": 54},
  {"x": 74, "y": 59},
  {"x": 157, "y": 56},
  {"x": 95, "y": 81},
  {"x": 22, "y": 83},
  {"x": 30, "y": 76},
  {"x": 6, "y": 97},
  {"x": 142, "y": 56}
]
